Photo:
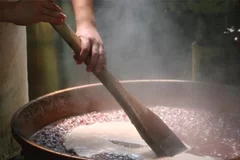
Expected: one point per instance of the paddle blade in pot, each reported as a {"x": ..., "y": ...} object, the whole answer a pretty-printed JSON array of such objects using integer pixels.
[{"x": 151, "y": 128}]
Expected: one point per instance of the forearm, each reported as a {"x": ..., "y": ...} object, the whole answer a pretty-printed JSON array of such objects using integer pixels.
[
  {"x": 6, "y": 9},
  {"x": 84, "y": 12}
]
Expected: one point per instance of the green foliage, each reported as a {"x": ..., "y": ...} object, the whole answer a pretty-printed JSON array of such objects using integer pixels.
[{"x": 201, "y": 6}]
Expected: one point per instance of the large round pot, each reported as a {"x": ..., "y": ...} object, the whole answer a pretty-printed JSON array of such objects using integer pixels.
[{"x": 84, "y": 99}]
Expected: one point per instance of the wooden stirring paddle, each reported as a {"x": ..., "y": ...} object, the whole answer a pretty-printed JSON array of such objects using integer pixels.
[{"x": 152, "y": 129}]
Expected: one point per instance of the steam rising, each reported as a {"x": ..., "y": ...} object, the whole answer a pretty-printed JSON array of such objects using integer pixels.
[{"x": 141, "y": 40}]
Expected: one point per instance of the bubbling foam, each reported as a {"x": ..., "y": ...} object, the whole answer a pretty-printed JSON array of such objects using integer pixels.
[
  {"x": 97, "y": 140},
  {"x": 208, "y": 133}
]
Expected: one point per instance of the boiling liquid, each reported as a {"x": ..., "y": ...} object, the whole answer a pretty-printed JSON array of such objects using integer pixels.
[{"x": 90, "y": 140}]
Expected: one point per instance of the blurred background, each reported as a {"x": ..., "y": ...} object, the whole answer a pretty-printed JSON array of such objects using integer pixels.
[{"x": 144, "y": 39}]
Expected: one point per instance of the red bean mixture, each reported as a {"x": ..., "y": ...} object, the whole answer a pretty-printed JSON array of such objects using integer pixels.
[{"x": 208, "y": 134}]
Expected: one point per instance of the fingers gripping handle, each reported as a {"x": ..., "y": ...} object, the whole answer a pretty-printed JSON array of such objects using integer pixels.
[
  {"x": 107, "y": 79},
  {"x": 75, "y": 43}
]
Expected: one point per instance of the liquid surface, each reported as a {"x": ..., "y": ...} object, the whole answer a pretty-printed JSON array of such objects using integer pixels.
[
  {"x": 95, "y": 139},
  {"x": 207, "y": 133},
  {"x": 91, "y": 140}
]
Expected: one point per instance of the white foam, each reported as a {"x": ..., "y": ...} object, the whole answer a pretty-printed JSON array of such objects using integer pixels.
[{"x": 90, "y": 140}]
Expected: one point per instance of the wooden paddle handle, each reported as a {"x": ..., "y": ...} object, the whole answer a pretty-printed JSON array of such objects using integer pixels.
[
  {"x": 151, "y": 128},
  {"x": 108, "y": 80}
]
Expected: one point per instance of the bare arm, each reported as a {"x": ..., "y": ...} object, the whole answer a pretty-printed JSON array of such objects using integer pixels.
[
  {"x": 92, "y": 43},
  {"x": 84, "y": 12}
]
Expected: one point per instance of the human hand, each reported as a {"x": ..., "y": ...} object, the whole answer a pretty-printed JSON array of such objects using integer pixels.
[
  {"x": 92, "y": 49},
  {"x": 27, "y": 12}
]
